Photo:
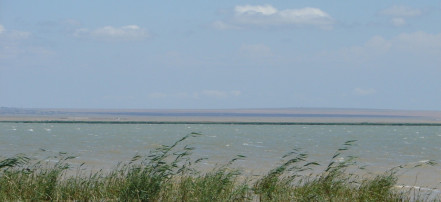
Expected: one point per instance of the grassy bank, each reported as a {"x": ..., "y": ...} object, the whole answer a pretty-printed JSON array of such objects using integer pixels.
[{"x": 168, "y": 173}]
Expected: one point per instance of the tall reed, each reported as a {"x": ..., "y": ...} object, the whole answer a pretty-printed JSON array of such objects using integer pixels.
[{"x": 168, "y": 173}]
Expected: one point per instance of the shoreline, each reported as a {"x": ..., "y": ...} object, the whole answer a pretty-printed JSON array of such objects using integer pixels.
[
  {"x": 289, "y": 116},
  {"x": 225, "y": 122}
]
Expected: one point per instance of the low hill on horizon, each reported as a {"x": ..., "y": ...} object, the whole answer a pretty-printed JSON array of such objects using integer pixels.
[{"x": 222, "y": 115}]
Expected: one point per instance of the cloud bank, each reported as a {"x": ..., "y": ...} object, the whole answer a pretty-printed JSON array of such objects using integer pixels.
[{"x": 267, "y": 15}]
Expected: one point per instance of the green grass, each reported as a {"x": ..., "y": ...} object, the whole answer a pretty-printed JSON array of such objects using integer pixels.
[{"x": 168, "y": 173}]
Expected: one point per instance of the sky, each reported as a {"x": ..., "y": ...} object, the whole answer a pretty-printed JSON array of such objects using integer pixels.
[{"x": 220, "y": 54}]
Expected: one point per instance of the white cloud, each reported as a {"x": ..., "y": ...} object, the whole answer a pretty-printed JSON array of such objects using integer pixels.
[
  {"x": 267, "y": 15},
  {"x": 129, "y": 32},
  {"x": 251, "y": 10},
  {"x": 364, "y": 91},
  {"x": 312, "y": 16},
  {"x": 401, "y": 11},
  {"x": 2, "y": 29}
]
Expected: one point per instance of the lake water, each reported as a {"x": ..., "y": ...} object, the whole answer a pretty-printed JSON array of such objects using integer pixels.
[{"x": 103, "y": 145}]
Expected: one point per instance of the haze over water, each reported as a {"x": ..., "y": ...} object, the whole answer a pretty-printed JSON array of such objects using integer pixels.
[{"x": 104, "y": 145}]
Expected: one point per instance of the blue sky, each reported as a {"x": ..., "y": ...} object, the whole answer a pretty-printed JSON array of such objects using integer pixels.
[{"x": 220, "y": 54}]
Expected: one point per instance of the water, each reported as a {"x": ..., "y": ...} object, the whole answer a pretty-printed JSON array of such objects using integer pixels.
[{"x": 103, "y": 145}]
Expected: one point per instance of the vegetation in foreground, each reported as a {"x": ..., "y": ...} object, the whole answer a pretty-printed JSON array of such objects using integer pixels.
[{"x": 168, "y": 174}]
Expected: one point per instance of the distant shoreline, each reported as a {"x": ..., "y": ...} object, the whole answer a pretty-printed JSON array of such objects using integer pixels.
[
  {"x": 231, "y": 123},
  {"x": 289, "y": 116}
]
